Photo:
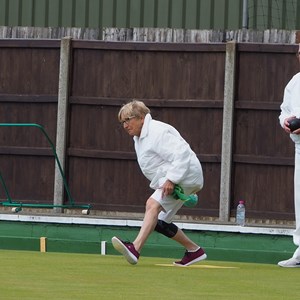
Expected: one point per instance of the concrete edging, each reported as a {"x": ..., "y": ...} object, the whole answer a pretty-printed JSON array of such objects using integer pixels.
[{"x": 137, "y": 223}]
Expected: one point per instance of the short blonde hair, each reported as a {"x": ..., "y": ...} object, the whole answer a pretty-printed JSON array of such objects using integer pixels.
[{"x": 134, "y": 108}]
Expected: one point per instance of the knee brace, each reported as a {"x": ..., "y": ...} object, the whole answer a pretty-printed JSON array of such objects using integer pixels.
[{"x": 167, "y": 229}]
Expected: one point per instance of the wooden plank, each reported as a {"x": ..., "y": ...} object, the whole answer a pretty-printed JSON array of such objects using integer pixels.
[
  {"x": 89, "y": 153},
  {"x": 28, "y": 151},
  {"x": 263, "y": 160},
  {"x": 29, "y": 43},
  {"x": 266, "y": 215},
  {"x": 268, "y": 48},
  {"x": 137, "y": 46},
  {"x": 257, "y": 105},
  {"x": 187, "y": 103},
  {"x": 28, "y": 98}
]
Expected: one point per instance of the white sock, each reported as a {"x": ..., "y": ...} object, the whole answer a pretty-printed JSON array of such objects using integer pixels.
[{"x": 194, "y": 250}]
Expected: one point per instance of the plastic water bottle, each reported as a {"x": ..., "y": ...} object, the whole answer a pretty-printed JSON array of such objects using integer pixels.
[{"x": 240, "y": 213}]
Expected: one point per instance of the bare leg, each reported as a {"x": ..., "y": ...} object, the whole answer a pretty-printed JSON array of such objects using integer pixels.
[
  {"x": 181, "y": 238},
  {"x": 153, "y": 208}
]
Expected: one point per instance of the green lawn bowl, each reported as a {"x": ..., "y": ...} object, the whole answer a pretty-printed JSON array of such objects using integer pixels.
[{"x": 188, "y": 200}]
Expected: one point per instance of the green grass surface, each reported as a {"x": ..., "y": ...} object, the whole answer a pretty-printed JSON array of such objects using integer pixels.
[{"x": 35, "y": 275}]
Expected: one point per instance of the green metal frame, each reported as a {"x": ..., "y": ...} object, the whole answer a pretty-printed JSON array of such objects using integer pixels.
[{"x": 19, "y": 205}]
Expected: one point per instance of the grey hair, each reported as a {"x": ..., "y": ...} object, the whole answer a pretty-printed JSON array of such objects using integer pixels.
[{"x": 134, "y": 108}]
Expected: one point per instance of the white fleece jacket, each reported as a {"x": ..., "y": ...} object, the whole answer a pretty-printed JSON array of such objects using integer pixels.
[
  {"x": 163, "y": 154},
  {"x": 291, "y": 103}
]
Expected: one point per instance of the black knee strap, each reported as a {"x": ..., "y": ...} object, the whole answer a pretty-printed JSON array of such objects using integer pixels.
[{"x": 167, "y": 229}]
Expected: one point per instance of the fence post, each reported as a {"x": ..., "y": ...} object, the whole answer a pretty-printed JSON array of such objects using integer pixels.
[
  {"x": 226, "y": 156},
  {"x": 62, "y": 116}
]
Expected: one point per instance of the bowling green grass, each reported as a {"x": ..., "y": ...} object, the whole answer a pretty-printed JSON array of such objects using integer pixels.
[{"x": 35, "y": 275}]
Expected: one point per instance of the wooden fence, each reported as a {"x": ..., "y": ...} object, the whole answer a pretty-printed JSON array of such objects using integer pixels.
[{"x": 223, "y": 98}]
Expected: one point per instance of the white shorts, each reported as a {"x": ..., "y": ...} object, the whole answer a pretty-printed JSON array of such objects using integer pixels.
[{"x": 169, "y": 204}]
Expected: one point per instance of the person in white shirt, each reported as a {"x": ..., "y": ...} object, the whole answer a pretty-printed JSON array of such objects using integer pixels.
[
  {"x": 290, "y": 110},
  {"x": 167, "y": 161}
]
